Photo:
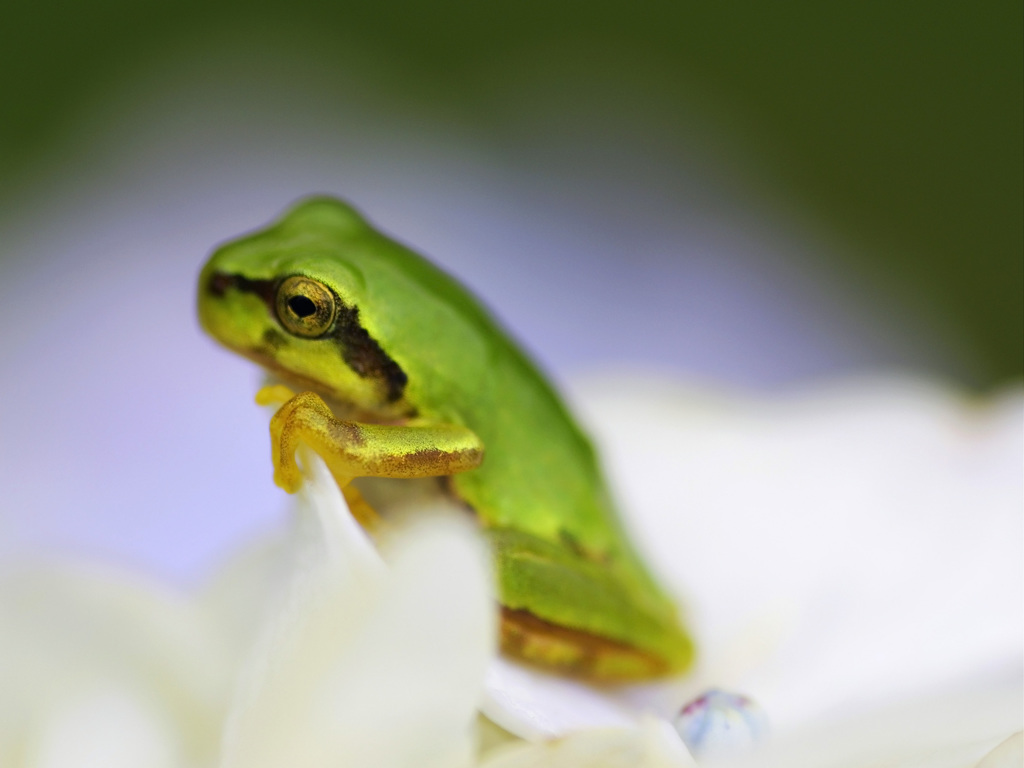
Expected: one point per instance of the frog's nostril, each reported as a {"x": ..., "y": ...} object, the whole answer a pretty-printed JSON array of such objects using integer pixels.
[{"x": 219, "y": 283}]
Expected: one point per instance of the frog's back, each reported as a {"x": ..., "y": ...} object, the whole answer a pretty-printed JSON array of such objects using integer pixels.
[
  {"x": 540, "y": 474},
  {"x": 539, "y": 492}
]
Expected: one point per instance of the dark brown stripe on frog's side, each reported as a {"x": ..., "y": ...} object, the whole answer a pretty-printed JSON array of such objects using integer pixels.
[
  {"x": 359, "y": 350},
  {"x": 365, "y": 356},
  {"x": 574, "y": 652}
]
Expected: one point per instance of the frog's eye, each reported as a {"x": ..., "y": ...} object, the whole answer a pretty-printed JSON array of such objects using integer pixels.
[{"x": 305, "y": 307}]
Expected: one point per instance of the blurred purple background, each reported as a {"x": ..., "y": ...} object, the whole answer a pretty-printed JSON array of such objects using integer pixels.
[{"x": 129, "y": 436}]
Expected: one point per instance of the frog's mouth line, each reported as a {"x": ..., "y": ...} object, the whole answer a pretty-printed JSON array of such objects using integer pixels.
[
  {"x": 339, "y": 405},
  {"x": 287, "y": 377}
]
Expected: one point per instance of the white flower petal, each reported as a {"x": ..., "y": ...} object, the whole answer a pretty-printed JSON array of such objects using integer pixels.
[
  {"x": 1009, "y": 754},
  {"x": 347, "y": 547},
  {"x": 875, "y": 525},
  {"x": 370, "y": 665},
  {"x": 69, "y": 631},
  {"x": 536, "y": 705},
  {"x": 954, "y": 728},
  {"x": 654, "y": 744},
  {"x": 902, "y": 500},
  {"x": 247, "y": 585},
  {"x": 108, "y": 728}
]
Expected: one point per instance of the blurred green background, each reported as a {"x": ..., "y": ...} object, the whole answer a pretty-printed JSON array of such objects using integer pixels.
[{"x": 896, "y": 126}]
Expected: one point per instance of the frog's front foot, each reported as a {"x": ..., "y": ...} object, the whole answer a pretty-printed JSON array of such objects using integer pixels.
[{"x": 303, "y": 418}]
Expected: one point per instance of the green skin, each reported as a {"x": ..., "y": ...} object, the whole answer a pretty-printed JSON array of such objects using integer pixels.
[{"x": 411, "y": 347}]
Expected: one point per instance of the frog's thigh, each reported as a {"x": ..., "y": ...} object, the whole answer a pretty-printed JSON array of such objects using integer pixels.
[
  {"x": 574, "y": 652},
  {"x": 353, "y": 449},
  {"x": 528, "y": 636}
]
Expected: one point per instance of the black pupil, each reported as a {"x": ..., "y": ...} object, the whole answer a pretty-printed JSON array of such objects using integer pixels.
[{"x": 302, "y": 306}]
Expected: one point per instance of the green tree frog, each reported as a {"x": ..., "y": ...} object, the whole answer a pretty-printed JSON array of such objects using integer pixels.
[{"x": 390, "y": 368}]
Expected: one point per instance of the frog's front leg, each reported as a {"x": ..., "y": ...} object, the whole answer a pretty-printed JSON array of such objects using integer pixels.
[{"x": 353, "y": 449}]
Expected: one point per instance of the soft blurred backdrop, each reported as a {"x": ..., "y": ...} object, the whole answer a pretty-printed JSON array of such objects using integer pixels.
[{"x": 754, "y": 197}]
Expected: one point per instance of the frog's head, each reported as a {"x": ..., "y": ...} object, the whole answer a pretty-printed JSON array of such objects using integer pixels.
[{"x": 288, "y": 298}]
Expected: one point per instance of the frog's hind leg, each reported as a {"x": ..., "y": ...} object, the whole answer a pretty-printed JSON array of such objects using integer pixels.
[
  {"x": 581, "y": 617},
  {"x": 573, "y": 652},
  {"x": 360, "y": 508}
]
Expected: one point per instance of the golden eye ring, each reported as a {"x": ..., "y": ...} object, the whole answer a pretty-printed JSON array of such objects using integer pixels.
[{"x": 305, "y": 307}]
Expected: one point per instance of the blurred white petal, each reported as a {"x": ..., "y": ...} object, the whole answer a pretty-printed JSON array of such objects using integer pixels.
[
  {"x": 1009, "y": 754},
  {"x": 654, "y": 744},
  {"x": 247, "y": 587},
  {"x": 952, "y": 728},
  {"x": 535, "y": 705},
  {"x": 106, "y": 729},
  {"x": 369, "y": 664},
  {"x": 849, "y": 557},
  {"x": 840, "y": 551},
  {"x": 70, "y": 633},
  {"x": 870, "y": 531}
]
